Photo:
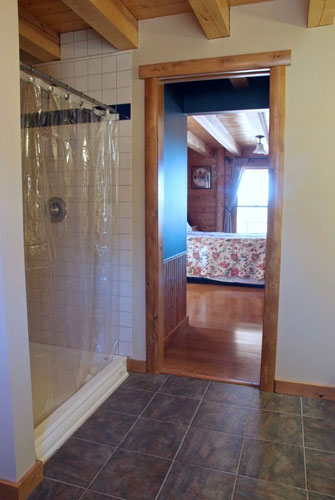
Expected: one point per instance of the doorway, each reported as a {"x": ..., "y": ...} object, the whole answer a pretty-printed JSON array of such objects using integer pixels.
[
  {"x": 227, "y": 198},
  {"x": 156, "y": 76}
]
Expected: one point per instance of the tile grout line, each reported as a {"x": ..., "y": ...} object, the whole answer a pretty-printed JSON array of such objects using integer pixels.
[
  {"x": 243, "y": 440},
  {"x": 324, "y": 494},
  {"x": 270, "y": 481},
  {"x": 182, "y": 442},
  {"x": 303, "y": 445},
  {"x": 140, "y": 415},
  {"x": 100, "y": 470},
  {"x": 118, "y": 446}
]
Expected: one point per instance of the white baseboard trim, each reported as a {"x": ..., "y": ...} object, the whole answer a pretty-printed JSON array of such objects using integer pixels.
[{"x": 63, "y": 422}]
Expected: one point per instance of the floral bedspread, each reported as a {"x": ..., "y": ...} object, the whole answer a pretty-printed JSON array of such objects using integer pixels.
[{"x": 226, "y": 255}]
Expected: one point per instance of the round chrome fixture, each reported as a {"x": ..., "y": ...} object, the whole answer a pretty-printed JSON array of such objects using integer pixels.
[{"x": 57, "y": 209}]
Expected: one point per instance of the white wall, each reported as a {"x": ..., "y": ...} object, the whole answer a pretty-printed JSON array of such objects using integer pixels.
[
  {"x": 306, "y": 342},
  {"x": 17, "y": 454}
]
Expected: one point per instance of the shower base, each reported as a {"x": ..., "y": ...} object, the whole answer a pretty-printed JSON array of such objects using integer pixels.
[{"x": 56, "y": 365}]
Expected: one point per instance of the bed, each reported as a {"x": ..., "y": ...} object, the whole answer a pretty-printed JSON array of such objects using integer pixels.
[{"x": 226, "y": 257}]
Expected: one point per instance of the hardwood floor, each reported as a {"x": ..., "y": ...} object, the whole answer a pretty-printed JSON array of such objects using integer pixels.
[{"x": 224, "y": 338}]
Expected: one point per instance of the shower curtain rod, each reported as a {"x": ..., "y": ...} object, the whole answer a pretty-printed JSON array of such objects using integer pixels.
[{"x": 71, "y": 90}]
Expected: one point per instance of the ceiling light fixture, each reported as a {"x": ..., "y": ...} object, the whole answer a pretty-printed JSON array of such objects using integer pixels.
[{"x": 259, "y": 149}]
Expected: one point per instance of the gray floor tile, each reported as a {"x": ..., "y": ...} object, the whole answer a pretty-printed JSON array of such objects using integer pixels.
[
  {"x": 221, "y": 417},
  {"x": 257, "y": 489},
  {"x": 77, "y": 462},
  {"x": 319, "y": 434},
  {"x": 271, "y": 468},
  {"x": 230, "y": 394},
  {"x": 127, "y": 401},
  {"x": 132, "y": 476},
  {"x": 273, "y": 426},
  {"x": 144, "y": 381},
  {"x": 156, "y": 438},
  {"x": 186, "y": 482},
  {"x": 51, "y": 490},
  {"x": 277, "y": 402},
  {"x": 320, "y": 467},
  {"x": 211, "y": 449},
  {"x": 318, "y": 496},
  {"x": 106, "y": 427},
  {"x": 277, "y": 462},
  {"x": 172, "y": 409},
  {"x": 92, "y": 495},
  {"x": 184, "y": 386},
  {"x": 318, "y": 408}
]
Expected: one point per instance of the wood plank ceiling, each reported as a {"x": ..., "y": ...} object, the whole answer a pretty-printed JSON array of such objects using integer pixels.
[
  {"x": 233, "y": 130},
  {"x": 42, "y": 21}
]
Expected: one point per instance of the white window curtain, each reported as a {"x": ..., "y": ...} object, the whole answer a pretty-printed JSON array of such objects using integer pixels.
[{"x": 238, "y": 169}]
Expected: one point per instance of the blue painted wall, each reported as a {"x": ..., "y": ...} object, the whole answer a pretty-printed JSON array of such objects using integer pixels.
[{"x": 175, "y": 172}]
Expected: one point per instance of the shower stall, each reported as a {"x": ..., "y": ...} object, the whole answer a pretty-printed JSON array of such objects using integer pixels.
[{"x": 70, "y": 198}]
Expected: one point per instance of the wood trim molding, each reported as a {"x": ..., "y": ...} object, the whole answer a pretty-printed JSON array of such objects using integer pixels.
[
  {"x": 215, "y": 65},
  {"x": 154, "y": 190},
  {"x": 23, "y": 488},
  {"x": 273, "y": 242},
  {"x": 136, "y": 365},
  {"x": 173, "y": 333},
  {"x": 169, "y": 259},
  {"x": 308, "y": 390}
]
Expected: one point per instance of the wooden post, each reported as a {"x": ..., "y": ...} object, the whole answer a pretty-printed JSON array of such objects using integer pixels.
[
  {"x": 273, "y": 245},
  {"x": 154, "y": 186}
]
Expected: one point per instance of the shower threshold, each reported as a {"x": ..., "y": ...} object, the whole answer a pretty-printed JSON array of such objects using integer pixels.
[{"x": 57, "y": 427}]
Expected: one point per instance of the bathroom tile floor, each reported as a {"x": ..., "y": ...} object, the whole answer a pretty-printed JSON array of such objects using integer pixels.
[{"x": 167, "y": 437}]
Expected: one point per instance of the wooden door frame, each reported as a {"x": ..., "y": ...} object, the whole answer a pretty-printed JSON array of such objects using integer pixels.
[{"x": 156, "y": 75}]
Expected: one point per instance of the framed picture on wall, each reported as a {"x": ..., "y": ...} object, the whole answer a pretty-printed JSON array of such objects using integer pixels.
[{"x": 201, "y": 178}]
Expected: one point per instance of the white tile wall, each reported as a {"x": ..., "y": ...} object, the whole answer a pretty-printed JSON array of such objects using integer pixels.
[
  {"x": 90, "y": 64},
  {"x": 86, "y": 54}
]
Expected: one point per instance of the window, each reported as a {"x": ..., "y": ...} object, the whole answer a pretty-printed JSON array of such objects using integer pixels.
[{"x": 252, "y": 201}]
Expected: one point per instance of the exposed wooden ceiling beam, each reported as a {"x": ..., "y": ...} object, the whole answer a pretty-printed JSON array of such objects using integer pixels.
[
  {"x": 320, "y": 13},
  {"x": 213, "y": 16},
  {"x": 197, "y": 144},
  {"x": 213, "y": 126},
  {"x": 259, "y": 126},
  {"x": 110, "y": 18},
  {"x": 37, "y": 39},
  {"x": 148, "y": 9}
]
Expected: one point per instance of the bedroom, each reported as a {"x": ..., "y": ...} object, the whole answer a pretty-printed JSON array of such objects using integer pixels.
[{"x": 227, "y": 196}]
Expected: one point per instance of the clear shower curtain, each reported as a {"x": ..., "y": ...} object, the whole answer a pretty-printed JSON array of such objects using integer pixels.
[{"x": 70, "y": 195}]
